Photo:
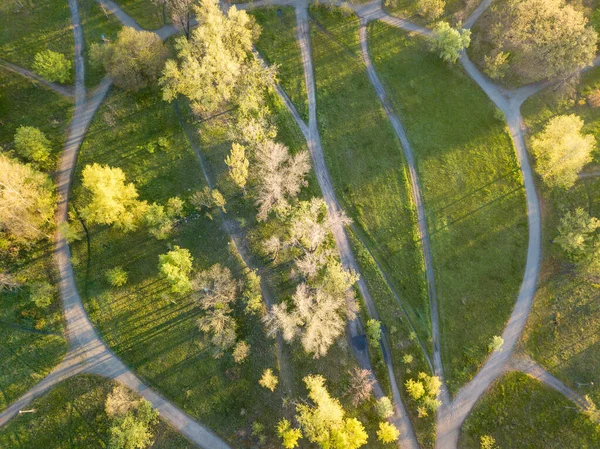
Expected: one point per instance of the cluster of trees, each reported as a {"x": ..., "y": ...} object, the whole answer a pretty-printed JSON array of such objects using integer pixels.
[
  {"x": 424, "y": 391},
  {"x": 131, "y": 420},
  {"x": 535, "y": 40}
]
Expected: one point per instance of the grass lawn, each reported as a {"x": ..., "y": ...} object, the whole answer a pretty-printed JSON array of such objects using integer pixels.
[
  {"x": 151, "y": 330},
  {"x": 472, "y": 189},
  {"x": 33, "y": 342},
  {"x": 147, "y": 14},
  {"x": 278, "y": 45},
  {"x": 95, "y": 24},
  {"x": 365, "y": 159},
  {"x": 72, "y": 415},
  {"x": 36, "y": 26},
  {"x": 519, "y": 412},
  {"x": 454, "y": 11},
  {"x": 561, "y": 332}
]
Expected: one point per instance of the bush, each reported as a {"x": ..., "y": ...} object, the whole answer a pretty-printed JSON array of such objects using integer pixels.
[
  {"x": 117, "y": 276},
  {"x": 269, "y": 380},
  {"x": 41, "y": 294},
  {"x": 241, "y": 351},
  {"x": 52, "y": 66},
  {"x": 373, "y": 332},
  {"x": 384, "y": 407},
  {"x": 32, "y": 144}
]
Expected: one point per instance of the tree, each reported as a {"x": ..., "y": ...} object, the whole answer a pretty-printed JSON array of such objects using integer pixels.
[
  {"x": 238, "y": 165},
  {"x": 374, "y": 332},
  {"x": 449, "y": 42},
  {"x": 387, "y": 433},
  {"x": 487, "y": 442},
  {"x": 208, "y": 199},
  {"x": 384, "y": 407},
  {"x": 176, "y": 265},
  {"x": 119, "y": 401},
  {"x": 280, "y": 176},
  {"x": 109, "y": 200},
  {"x": 221, "y": 326},
  {"x": 545, "y": 38},
  {"x": 415, "y": 389},
  {"x": 269, "y": 380},
  {"x": 8, "y": 282},
  {"x": 324, "y": 423},
  {"x": 27, "y": 202},
  {"x": 42, "y": 293},
  {"x": 424, "y": 392},
  {"x": 52, "y": 66},
  {"x": 495, "y": 65},
  {"x": 361, "y": 385},
  {"x": 134, "y": 60},
  {"x": 32, "y": 144},
  {"x": 561, "y": 150},
  {"x": 216, "y": 65},
  {"x": 241, "y": 351},
  {"x": 180, "y": 12},
  {"x": 577, "y": 233},
  {"x": 252, "y": 294},
  {"x": 431, "y": 9},
  {"x": 289, "y": 435},
  {"x": 117, "y": 276},
  {"x": 160, "y": 219},
  {"x": 131, "y": 420}
]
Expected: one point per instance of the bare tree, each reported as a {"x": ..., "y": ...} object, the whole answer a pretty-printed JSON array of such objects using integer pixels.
[{"x": 361, "y": 385}]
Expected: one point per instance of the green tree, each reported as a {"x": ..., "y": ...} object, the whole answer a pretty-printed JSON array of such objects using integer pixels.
[
  {"x": 27, "y": 203},
  {"x": 415, "y": 389},
  {"x": 241, "y": 351},
  {"x": 288, "y": 435},
  {"x": 42, "y": 293},
  {"x": 374, "y": 332},
  {"x": 238, "y": 165},
  {"x": 577, "y": 233},
  {"x": 449, "y": 42},
  {"x": 561, "y": 150},
  {"x": 134, "y": 60},
  {"x": 324, "y": 422},
  {"x": 160, "y": 219},
  {"x": 431, "y": 9},
  {"x": 117, "y": 276},
  {"x": 52, "y": 66},
  {"x": 384, "y": 407},
  {"x": 269, "y": 380},
  {"x": 176, "y": 265},
  {"x": 109, "y": 200},
  {"x": 216, "y": 65},
  {"x": 387, "y": 433},
  {"x": 32, "y": 144}
]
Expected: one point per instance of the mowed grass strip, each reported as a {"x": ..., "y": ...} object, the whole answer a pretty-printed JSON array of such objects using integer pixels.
[
  {"x": 365, "y": 159},
  {"x": 28, "y": 27},
  {"x": 278, "y": 46},
  {"x": 153, "y": 331},
  {"x": 146, "y": 13},
  {"x": 520, "y": 412},
  {"x": 472, "y": 190},
  {"x": 454, "y": 10},
  {"x": 72, "y": 414},
  {"x": 562, "y": 331}
]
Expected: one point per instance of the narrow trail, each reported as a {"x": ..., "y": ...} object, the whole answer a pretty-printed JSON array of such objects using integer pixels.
[
  {"x": 527, "y": 365},
  {"x": 87, "y": 352},
  {"x": 444, "y": 396},
  {"x": 66, "y": 91}
]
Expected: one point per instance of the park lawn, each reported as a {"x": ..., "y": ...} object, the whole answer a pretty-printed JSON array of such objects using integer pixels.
[
  {"x": 365, "y": 159},
  {"x": 145, "y": 12},
  {"x": 520, "y": 412},
  {"x": 472, "y": 190},
  {"x": 278, "y": 46},
  {"x": 455, "y": 11},
  {"x": 25, "y": 103},
  {"x": 152, "y": 330},
  {"x": 34, "y": 27},
  {"x": 72, "y": 415},
  {"x": 95, "y": 24},
  {"x": 561, "y": 332}
]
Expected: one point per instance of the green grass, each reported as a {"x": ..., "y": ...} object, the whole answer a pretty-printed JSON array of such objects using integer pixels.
[
  {"x": 148, "y": 15},
  {"x": 570, "y": 349},
  {"x": 95, "y": 24},
  {"x": 472, "y": 190},
  {"x": 454, "y": 11},
  {"x": 278, "y": 45},
  {"x": 365, "y": 159},
  {"x": 38, "y": 25},
  {"x": 153, "y": 332},
  {"x": 519, "y": 412},
  {"x": 72, "y": 415}
]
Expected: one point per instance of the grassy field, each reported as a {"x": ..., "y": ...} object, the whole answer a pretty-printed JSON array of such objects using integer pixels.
[
  {"x": 455, "y": 10},
  {"x": 519, "y": 412},
  {"x": 278, "y": 45},
  {"x": 95, "y": 24},
  {"x": 472, "y": 190},
  {"x": 148, "y": 15},
  {"x": 72, "y": 415},
  {"x": 32, "y": 338},
  {"x": 568, "y": 346},
  {"x": 36, "y": 26},
  {"x": 365, "y": 159},
  {"x": 153, "y": 332}
]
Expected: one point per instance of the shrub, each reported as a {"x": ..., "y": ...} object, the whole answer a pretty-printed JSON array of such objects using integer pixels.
[
  {"x": 269, "y": 380},
  {"x": 117, "y": 276},
  {"x": 32, "y": 144},
  {"x": 384, "y": 407}
]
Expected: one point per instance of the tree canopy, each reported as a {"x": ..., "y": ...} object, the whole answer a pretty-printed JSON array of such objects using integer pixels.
[
  {"x": 52, "y": 66},
  {"x": 448, "y": 42}
]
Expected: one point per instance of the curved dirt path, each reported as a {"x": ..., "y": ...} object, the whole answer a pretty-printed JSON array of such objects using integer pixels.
[{"x": 66, "y": 91}]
